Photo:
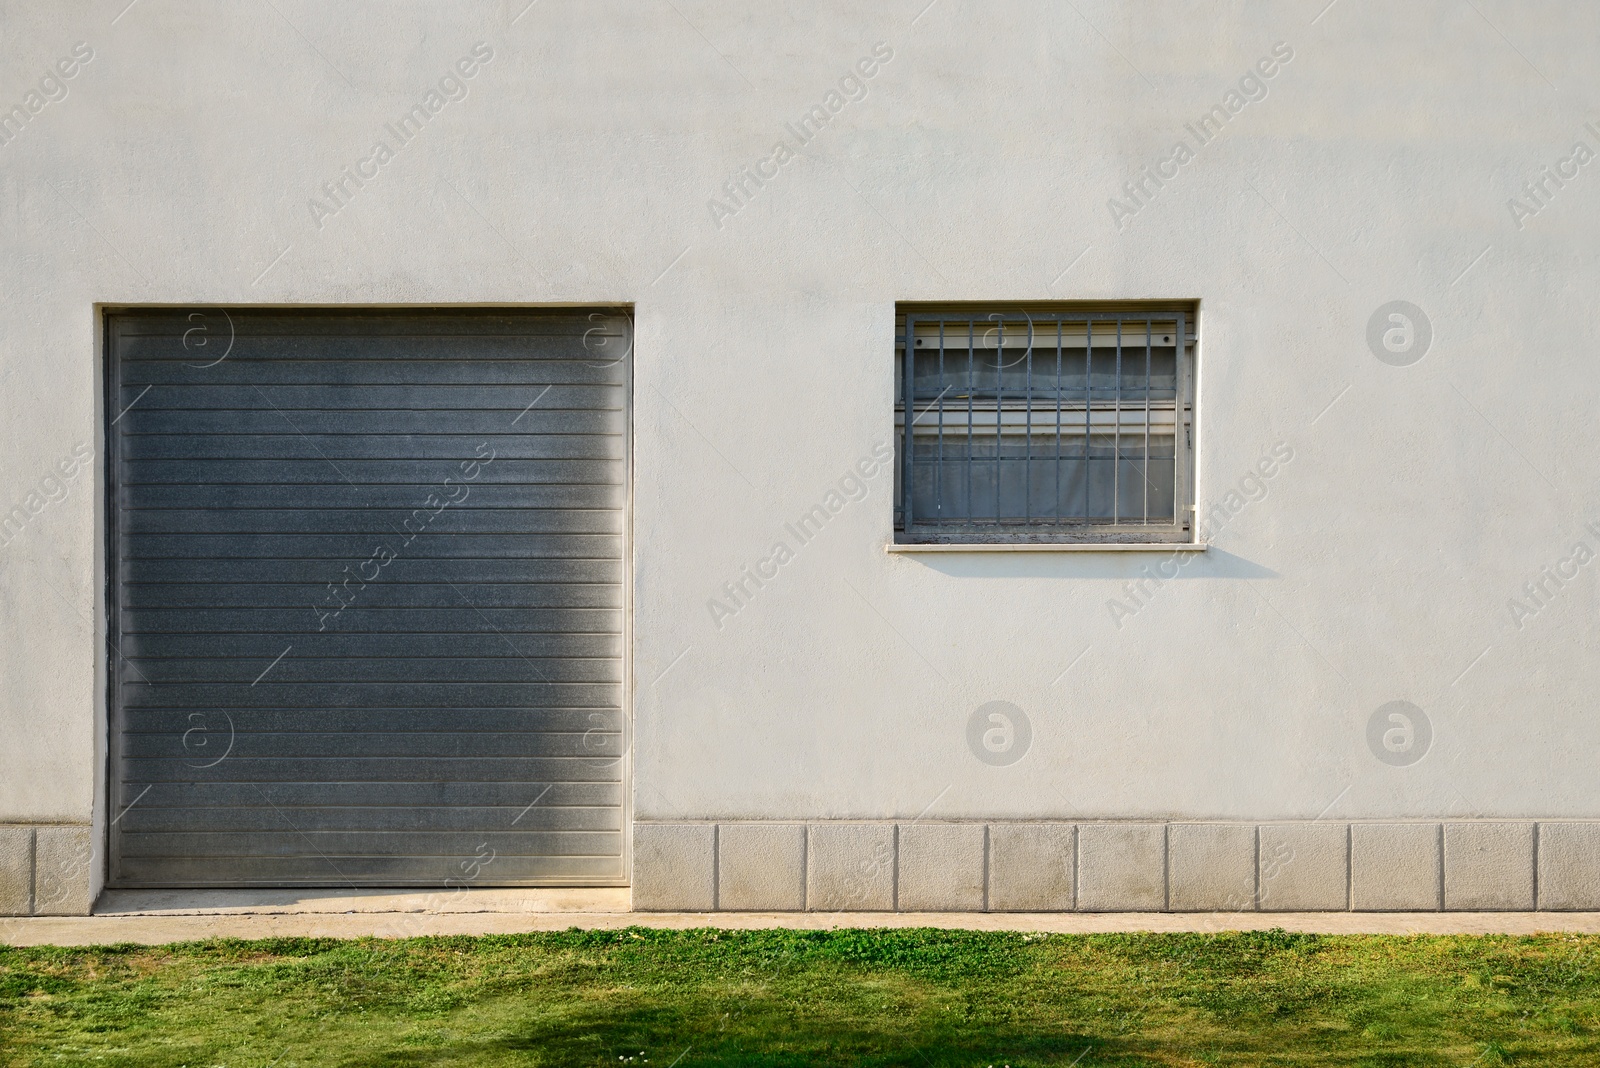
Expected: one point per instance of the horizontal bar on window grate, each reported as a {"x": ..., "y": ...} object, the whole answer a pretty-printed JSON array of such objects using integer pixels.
[
  {"x": 931, "y": 321},
  {"x": 1016, "y": 421},
  {"x": 988, "y": 336}
]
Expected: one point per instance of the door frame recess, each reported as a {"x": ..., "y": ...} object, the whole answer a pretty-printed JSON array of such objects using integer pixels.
[{"x": 109, "y": 393}]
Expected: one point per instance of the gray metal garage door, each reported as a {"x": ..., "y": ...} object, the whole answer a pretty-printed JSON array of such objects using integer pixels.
[{"x": 366, "y": 580}]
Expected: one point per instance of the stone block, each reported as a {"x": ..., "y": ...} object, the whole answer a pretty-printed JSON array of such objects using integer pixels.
[
  {"x": 761, "y": 867},
  {"x": 1304, "y": 867},
  {"x": 1122, "y": 867},
  {"x": 1394, "y": 867},
  {"x": 1569, "y": 866},
  {"x": 850, "y": 867},
  {"x": 941, "y": 867},
  {"x": 1488, "y": 866},
  {"x": 1211, "y": 867},
  {"x": 674, "y": 866},
  {"x": 16, "y": 870},
  {"x": 63, "y": 870},
  {"x": 1032, "y": 867}
]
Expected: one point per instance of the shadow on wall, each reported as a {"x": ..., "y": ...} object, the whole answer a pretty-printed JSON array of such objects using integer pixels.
[{"x": 1153, "y": 566}]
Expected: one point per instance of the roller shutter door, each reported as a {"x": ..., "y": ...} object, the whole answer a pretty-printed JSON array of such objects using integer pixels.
[{"x": 367, "y": 598}]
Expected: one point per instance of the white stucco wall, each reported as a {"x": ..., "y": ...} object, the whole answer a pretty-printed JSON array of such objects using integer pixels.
[{"x": 1379, "y": 565}]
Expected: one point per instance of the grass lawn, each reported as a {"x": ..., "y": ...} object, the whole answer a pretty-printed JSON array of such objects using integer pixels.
[{"x": 918, "y": 997}]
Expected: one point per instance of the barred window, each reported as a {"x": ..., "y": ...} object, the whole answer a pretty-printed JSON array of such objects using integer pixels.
[{"x": 1062, "y": 423}]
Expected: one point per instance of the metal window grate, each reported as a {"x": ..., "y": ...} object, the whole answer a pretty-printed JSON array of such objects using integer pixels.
[{"x": 1045, "y": 424}]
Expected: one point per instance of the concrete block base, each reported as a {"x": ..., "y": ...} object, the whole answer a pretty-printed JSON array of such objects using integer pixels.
[
  {"x": 16, "y": 871},
  {"x": 945, "y": 866},
  {"x": 1303, "y": 867},
  {"x": 1395, "y": 867},
  {"x": 761, "y": 867},
  {"x": 1569, "y": 866},
  {"x": 674, "y": 867},
  {"x": 942, "y": 867},
  {"x": 1211, "y": 867},
  {"x": 1488, "y": 867},
  {"x": 850, "y": 867},
  {"x": 1033, "y": 867},
  {"x": 1122, "y": 867},
  {"x": 47, "y": 869}
]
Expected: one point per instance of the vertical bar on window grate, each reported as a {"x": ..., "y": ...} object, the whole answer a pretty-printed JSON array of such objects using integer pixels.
[
  {"x": 1180, "y": 439},
  {"x": 1088, "y": 406},
  {"x": 1145, "y": 466},
  {"x": 999, "y": 390},
  {"x": 908, "y": 406},
  {"x": 1116, "y": 439},
  {"x": 938, "y": 476},
  {"x": 1055, "y": 505},
  {"x": 1027, "y": 439},
  {"x": 972, "y": 513}
]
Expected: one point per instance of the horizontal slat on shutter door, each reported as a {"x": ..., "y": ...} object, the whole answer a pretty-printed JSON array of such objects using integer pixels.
[{"x": 337, "y": 667}]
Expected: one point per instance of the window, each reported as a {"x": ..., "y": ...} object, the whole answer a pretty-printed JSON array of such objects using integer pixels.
[{"x": 1030, "y": 424}]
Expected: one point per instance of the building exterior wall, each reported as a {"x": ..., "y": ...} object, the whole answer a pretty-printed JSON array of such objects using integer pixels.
[{"x": 1429, "y": 541}]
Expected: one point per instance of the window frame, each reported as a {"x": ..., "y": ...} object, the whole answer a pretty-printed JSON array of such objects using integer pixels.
[{"x": 1081, "y": 532}]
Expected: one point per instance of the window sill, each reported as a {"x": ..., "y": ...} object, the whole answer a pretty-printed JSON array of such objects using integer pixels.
[{"x": 1053, "y": 547}]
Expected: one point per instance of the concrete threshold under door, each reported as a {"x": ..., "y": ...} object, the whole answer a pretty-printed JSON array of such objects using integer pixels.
[{"x": 322, "y": 902}]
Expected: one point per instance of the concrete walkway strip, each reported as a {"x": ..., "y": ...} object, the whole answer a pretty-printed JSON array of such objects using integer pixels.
[{"x": 156, "y": 917}]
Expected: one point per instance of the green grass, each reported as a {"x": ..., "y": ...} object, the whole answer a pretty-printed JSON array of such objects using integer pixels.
[{"x": 793, "y": 998}]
